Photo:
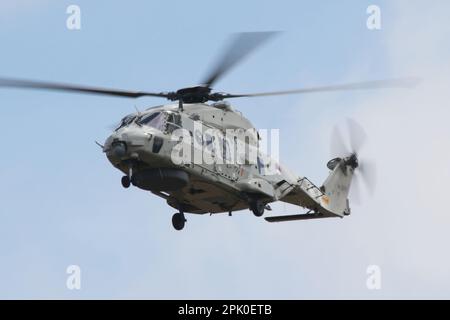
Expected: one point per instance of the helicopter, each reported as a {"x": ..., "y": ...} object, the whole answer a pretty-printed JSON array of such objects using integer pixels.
[{"x": 154, "y": 148}]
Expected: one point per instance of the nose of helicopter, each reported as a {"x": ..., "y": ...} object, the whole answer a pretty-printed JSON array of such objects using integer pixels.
[
  {"x": 120, "y": 144},
  {"x": 119, "y": 149}
]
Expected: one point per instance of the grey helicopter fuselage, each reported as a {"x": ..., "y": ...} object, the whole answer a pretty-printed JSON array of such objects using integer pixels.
[
  {"x": 142, "y": 147},
  {"x": 158, "y": 149}
]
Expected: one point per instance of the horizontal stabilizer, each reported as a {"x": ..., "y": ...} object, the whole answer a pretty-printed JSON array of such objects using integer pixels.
[{"x": 299, "y": 217}]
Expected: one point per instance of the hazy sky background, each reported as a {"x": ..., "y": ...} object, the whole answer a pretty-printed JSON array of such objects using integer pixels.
[{"x": 62, "y": 202}]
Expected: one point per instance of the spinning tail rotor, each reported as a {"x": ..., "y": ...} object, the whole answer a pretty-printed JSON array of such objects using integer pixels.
[
  {"x": 347, "y": 170},
  {"x": 350, "y": 151}
]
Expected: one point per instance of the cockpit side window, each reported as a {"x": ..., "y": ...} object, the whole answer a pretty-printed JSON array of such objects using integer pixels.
[{"x": 173, "y": 122}]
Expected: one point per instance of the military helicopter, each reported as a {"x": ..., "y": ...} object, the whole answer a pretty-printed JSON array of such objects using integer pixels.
[{"x": 143, "y": 145}]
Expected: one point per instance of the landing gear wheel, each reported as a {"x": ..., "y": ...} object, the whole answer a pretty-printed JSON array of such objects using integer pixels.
[
  {"x": 257, "y": 208},
  {"x": 178, "y": 221},
  {"x": 125, "y": 182}
]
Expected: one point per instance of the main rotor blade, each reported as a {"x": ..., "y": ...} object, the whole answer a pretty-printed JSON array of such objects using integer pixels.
[
  {"x": 368, "y": 172},
  {"x": 42, "y": 85},
  {"x": 338, "y": 147},
  {"x": 355, "y": 189},
  {"x": 378, "y": 84},
  {"x": 357, "y": 134},
  {"x": 240, "y": 46}
]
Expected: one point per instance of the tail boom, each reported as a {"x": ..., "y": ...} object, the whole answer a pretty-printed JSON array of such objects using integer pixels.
[{"x": 328, "y": 201}]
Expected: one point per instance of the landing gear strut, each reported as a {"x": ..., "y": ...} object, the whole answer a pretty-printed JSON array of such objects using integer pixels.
[
  {"x": 257, "y": 207},
  {"x": 178, "y": 221},
  {"x": 126, "y": 180}
]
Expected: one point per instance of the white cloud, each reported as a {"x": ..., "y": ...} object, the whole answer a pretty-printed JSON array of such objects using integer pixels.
[
  {"x": 403, "y": 228},
  {"x": 406, "y": 224}
]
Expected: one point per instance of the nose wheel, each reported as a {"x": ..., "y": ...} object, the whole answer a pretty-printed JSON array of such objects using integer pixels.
[
  {"x": 178, "y": 221},
  {"x": 257, "y": 207},
  {"x": 125, "y": 182}
]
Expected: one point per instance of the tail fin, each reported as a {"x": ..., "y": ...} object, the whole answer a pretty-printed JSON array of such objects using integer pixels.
[{"x": 337, "y": 186}]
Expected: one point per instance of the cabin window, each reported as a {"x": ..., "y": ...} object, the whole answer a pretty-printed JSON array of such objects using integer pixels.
[
  {"x": 209, "y": 139},
  {"x": 260, "y": 166},
  {"x": 226, "y": 150}
]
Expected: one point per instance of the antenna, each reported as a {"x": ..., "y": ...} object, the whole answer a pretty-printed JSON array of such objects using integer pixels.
[{"x": 137, "y": 110}]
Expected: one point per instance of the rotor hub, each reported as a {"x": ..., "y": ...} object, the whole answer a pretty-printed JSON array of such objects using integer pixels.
[
  {"x": 352, "y": 161},
  {"x": 197, "y": 94}
]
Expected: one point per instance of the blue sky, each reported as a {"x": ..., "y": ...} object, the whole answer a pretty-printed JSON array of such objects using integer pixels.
[{"x": 62, "y": 202}]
